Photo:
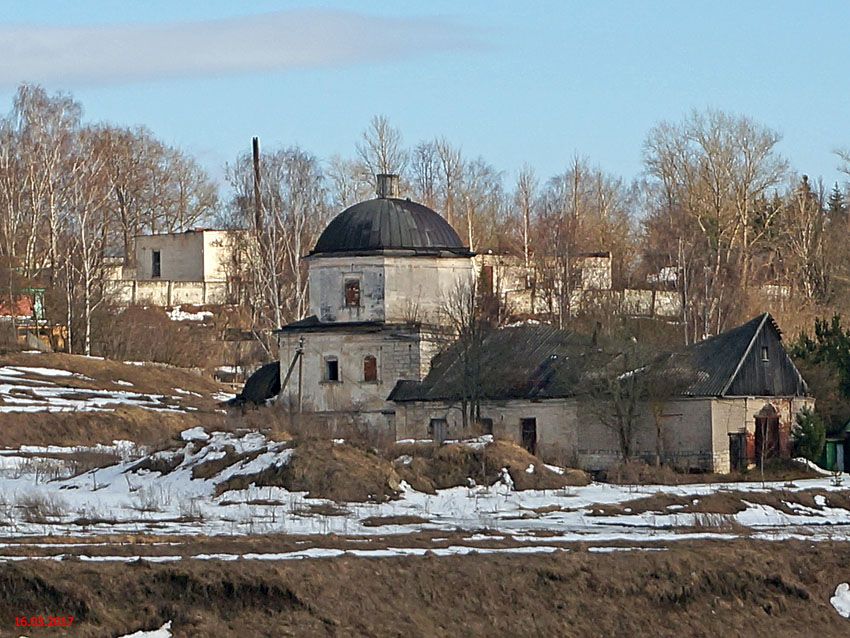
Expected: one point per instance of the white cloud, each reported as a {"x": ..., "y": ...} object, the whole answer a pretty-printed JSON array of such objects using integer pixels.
[{"x": 118, "y": 54}]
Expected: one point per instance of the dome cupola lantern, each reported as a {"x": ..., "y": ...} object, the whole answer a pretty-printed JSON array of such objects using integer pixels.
[{"x": 387, "y": 185}]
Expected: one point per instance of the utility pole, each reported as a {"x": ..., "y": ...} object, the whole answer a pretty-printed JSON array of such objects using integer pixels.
[
  {"x": 300, "y": 351},
  {"x": 257, "y": 203}
]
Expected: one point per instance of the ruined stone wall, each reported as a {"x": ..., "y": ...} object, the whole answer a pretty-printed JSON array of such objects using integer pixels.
[
  {"x": 156, "y": 292},
  {"x": 557, "y": 425},
  {"x": 181, "y": 256},
  {"x": 738, "y": 414}
]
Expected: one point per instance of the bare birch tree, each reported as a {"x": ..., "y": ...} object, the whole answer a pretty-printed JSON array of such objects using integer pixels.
[{"x": 293, "y": 212}]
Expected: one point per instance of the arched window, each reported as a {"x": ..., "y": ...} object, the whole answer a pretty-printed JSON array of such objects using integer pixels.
[{"x": 370, "y": 368}]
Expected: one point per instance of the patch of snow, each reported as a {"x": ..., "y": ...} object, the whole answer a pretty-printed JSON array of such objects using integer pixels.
[
  {"x": 525, "y": 322},
  {"x": 44, "y": 372},
  {"x": 530, "y": 469},
  {"x": 554, "y": 468},
  {"x": 187, "y": 392},
  {"x": 612, "y": 549},
  {"x": 229, "y": 369},
  {"x": 476, "y": 444},
  {"x": 194, "y": 434},
  {"x": 812, "y": 466},
  {"x": 223, "y": 396},
  {"x": 122, "y": 382},
  {"x": 179, "y": 315},
  {"x": 162, "y": 632},
  {"x": 484, "y": 537},
  {"x": 841, "y": 600}
]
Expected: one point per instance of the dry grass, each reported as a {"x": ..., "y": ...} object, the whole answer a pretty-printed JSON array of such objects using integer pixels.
[
  {"x": 141, "y": 426},
  {"x": 321, "y": 509},
  {"x": 699, "y": 589},
  {"x": 640, "y": 473},
  {"x": 725, "y": 503},
  {"x": 435, "y": 466},
  {"x": 133, "y": 423},
  {"x": 208, "y": 469},
  {"x": 41, "y": 508},
  {"x": 380, "y": 521},
  {"x": 341, "y": 473},
  {"x": 158, "y": 462}
]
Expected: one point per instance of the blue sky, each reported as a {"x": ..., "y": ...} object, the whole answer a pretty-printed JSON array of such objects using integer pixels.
[{"x": 517, "y": 82}]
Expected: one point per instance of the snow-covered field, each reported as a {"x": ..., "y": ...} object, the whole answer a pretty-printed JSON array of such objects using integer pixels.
[
  {"x": 46, "y": 389},
  {"x": 128, "y": 499}
]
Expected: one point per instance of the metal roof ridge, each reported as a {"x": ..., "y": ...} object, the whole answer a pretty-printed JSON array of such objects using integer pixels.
[{"x": 743, "y": 358}]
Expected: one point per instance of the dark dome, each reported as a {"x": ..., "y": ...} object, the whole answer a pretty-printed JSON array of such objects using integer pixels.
[{"x": 389, "y": 224}]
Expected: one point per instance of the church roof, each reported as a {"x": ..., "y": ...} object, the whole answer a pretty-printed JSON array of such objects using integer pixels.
[{"x": 389, "y": 224}]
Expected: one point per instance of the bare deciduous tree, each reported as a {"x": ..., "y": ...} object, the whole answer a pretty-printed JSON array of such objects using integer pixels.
[
  {"x": 380, "y": 150},
  {"x": 293, "y": 212}
]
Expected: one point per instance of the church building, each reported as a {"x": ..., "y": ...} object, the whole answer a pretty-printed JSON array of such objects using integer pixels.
[{"x": 379, "y": 278}]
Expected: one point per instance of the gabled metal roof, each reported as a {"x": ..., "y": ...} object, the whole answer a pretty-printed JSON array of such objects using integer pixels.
[{"x": 718, "y": 363}]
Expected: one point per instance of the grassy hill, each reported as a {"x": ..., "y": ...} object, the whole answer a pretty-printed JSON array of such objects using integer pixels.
[{"x": 63, "y": 399}]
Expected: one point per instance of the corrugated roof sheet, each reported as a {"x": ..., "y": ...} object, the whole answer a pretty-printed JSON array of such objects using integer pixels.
[
  {"x": 531, "y": 362},
  {"x": 715, "y": 360}
]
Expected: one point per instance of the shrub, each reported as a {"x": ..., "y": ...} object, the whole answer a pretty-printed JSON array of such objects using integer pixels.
[
  {"x": 809, "y": 434},
  {"x": 126, "y": 335},
  {"x": 41, "y": 508}
]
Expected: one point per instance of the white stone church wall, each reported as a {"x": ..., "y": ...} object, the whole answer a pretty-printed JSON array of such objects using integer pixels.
[{"x": 398, "y": 353}]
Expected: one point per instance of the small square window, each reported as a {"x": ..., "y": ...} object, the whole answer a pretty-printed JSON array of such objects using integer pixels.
[
  {"x": 352, "y": 293},
  {"x": 331, "y": 369}
]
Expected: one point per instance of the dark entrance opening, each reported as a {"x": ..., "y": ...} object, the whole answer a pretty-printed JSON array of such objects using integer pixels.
[
  {"x": 156, "y": 264},
  {"x": 437, "y": 428},
  {"x": 738, "y": 451},
  {"x": 767, "y": 435},
  {"x": 486, "y": 425},
  {"x": 370, "y": 369},
  {"x": 528, "y": 431}
]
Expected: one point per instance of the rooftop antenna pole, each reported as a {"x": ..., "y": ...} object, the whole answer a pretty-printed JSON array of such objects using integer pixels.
[{"x": 257, "y": 205}]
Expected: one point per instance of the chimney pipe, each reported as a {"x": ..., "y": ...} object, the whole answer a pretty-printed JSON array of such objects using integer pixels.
[{"x": 387, "y": 185}]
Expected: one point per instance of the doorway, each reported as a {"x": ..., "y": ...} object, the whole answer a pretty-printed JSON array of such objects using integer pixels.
[
  {"x": 767, "y": 434},
  {"x": 738, "y": 451},
  {"x": 437, "y": 429},
  {"x": 528, "y": 434}
]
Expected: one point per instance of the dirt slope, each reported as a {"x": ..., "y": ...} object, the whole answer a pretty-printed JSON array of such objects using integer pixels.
[{"x": 698, "y": 590}]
